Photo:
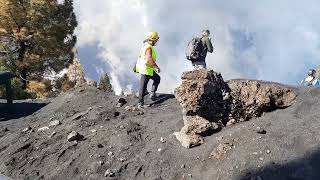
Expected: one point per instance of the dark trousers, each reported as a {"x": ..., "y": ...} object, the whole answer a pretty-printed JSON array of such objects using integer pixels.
[{"x": 144, "y": 83}]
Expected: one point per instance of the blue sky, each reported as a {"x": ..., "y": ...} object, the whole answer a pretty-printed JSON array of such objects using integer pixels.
[{"x": 268, "y": 39}]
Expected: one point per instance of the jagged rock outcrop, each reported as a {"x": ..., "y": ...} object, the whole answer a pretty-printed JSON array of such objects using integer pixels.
[
  {"x": 203, "y": 93},
  {"x": 194, "y": 128},
  {"x": 198, "y": 125},
  {"x": 204, "y": 97},
  {"x": 252, "y": 98},
  {"x": 207, "y": 99}
]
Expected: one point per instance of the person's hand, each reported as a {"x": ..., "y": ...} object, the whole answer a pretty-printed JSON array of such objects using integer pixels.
[{"x": 157, "y": 69}]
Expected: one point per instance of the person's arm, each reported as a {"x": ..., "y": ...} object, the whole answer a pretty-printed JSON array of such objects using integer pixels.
[
  {"x": 209, "y": 44},
  {"x": 150, "y": 59}
]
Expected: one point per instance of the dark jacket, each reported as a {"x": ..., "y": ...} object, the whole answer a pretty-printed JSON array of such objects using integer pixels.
[{"x": 206, "y": 42}]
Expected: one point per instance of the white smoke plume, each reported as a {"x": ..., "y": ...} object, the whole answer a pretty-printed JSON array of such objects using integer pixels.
[{"x": 269, "y": 39}]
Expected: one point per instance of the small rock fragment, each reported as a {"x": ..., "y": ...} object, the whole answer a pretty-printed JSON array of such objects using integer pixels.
[
  {"x": 268, "y": 151},
  {"x": 128, "y": 108},
  {"x": 73, "y": 136},
  {"x": 226, "y": 96},
  {"x": 54, "y": 123},
  {"x": 43, "y": 128},
  {"x": 108, "y": 173},
  {"x": 260, "y": 130},
  {"x": 101, "y": 163},
  {"x": 131, "y": 108},
  {"x": 52, "y": 134},
  {"x": 122, "y": 159},
  {"x": 188, "y": 140},
  {"x": 183, "y": 166},
  {"x": 121, "y": 102},
  {"x": 261, "y": 158},
  {"x": 140, "y": 113},
  {"x": 162, "y": 140},
  {"x": 116, "y": 114},
  {"x": 110, "y": 153},
  {"x": 26, "y": 129},
  {"x": 99, "y": 145},
  {"x": 93, "y": 130},
  {"x": 231, "y": 122},
  {"x": 121, "y": 127},
  {"x": 159, "y": 149},
  {"x": 255, "y": 153}
]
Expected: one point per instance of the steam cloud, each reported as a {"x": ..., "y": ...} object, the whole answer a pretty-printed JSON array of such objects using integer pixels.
[{"x": 270, "y": 40}]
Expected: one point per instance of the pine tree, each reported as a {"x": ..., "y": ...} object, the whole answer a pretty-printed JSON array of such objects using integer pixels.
[
  {"x": 105, "y": 84},
  {"x": 36, "y": 35}
]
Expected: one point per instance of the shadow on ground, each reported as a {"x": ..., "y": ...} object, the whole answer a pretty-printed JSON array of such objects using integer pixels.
[
  {"x": 306, "y": 168},
  {"x": 18, "y": 110},
  {"x": 161, "y": 99}
]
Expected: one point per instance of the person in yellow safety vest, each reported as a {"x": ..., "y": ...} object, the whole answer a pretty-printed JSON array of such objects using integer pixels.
[{"x": 148, "y": 68}]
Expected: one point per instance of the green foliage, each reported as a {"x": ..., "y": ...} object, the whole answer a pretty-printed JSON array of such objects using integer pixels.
[
  {"x": 105, "y": 84},
  {"x": 64, "y": 84},
  {"x": 18, "y": 92},
  {"x": 3, "y": 66},
  {"x": 52, "y": 25}
]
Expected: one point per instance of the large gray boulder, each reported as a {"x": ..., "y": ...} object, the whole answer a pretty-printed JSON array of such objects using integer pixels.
[
  {"x": 209, "y": 103},
  {"x": 203, "y": 93}
]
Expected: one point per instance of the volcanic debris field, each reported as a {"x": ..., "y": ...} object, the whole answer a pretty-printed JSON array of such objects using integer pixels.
[{"x": 90, "y": 134}]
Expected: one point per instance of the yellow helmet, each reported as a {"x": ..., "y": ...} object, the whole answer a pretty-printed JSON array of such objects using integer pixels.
[{"x": 153, "y": 36}]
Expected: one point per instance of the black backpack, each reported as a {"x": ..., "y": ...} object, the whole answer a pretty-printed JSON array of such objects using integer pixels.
[{"x": 194, "y": 49}]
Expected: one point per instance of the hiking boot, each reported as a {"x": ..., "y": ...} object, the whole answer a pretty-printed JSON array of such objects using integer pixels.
[{"x": 153, "y": 96}]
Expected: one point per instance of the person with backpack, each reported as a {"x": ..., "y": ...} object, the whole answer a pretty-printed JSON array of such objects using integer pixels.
[
  {"x": 148, "y": 68},
  {"x": 198, "y": 48},
  {"x": 311, "y": 79}
]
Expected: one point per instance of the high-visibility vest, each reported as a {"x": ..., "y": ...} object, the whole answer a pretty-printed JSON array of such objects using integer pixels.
[{"x": 143, "y": 66}]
